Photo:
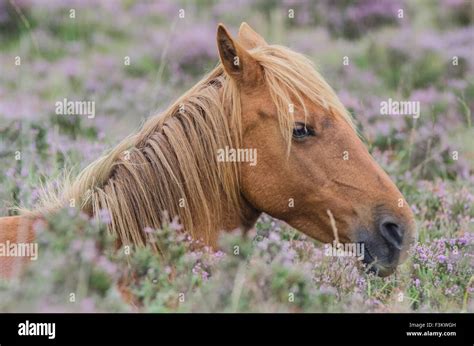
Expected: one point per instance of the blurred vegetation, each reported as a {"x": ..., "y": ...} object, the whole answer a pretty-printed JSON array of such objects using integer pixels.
[{"x": 276, "y": 268}]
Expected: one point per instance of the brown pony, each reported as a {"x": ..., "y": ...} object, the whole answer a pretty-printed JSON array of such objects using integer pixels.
[{"x": 309, "y": 166}]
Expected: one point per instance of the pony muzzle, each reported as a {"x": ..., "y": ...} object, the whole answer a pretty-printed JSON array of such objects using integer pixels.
[{"x": 387, "y": 246}]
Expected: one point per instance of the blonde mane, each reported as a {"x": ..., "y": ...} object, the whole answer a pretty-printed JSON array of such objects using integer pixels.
[{"x": 171, "y": 163}]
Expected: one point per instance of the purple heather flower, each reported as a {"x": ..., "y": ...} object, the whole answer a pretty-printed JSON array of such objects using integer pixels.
[
  {"x": 87, "y": 305},
  {"x": 175, "y": 225},
  {"x": 149, "y": 230},
  {"x": 104, "y": 216},
  {"x": 89, "y": 250},
  {"x": 109, "y": 267}
]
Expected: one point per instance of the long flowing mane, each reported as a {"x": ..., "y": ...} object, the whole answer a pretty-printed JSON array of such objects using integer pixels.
[{"x": 171, "y": 163}]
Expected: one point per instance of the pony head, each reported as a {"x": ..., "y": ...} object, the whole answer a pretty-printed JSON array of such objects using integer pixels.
[
  {"x": 311, "y": 169},
  {"x": 262, "y": 132}
]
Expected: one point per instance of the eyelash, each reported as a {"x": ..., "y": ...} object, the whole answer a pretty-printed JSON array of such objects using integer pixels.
[{"x": 307, "y": 131}]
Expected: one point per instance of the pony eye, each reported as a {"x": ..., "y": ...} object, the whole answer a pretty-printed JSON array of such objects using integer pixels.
[{"x": 301, "y": 131}]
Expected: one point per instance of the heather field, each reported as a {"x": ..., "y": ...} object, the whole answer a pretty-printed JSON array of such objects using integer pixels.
[{"x": 135, "y": 58}]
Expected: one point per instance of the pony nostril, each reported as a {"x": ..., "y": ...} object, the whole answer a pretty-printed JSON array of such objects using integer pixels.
[{"x": 392, "y": 233}]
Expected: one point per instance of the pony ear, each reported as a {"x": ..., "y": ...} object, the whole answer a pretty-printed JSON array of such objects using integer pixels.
[
  {"x": 237, "y": 62},
  {"x": 249, "y": 38}
]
